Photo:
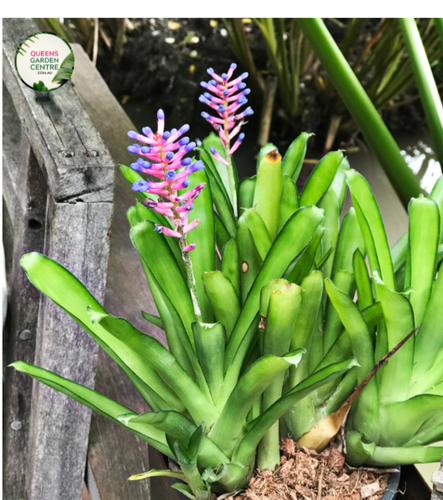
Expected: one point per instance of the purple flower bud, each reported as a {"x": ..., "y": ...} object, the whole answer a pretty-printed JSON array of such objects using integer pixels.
[
  {"x": 212, "y": 149},
  {"x": 134, "y": 150},
  {"x": 160, "y": 115},
  {"x": 233, "y": 67},
  {"x": 240, "y": 137},
  {"x": 213, "y": 82},
  {"x": 186, "y": 161},
  {"x": 186, "y": 183},
  {"x": 145, "y": 150},
  {"x": 224, "y": 76},
  {"x": 183, "y": 141},
  {"x": 170, "y": 155},
  {"x": 133, "y": 135},
  {"x": 225, "y": 92},
  {"x": 207, "y": 95},
  {"x": 205, "y": 115},
  {"x": 210, "y": 71},
  {"x": 137, "y": 167},
  {"x": 221, "y": 108},
  {"x": 244, "y": 75},
  {"x": 183, "y": 129},
  {"x": 204, "y": 100},
  {"x": 190, "y": 147},
  {"x": 241, "y": 85},
  {"x": 246, "y": 91},
  {"x": 170, "y": 175},
  {"x": 173, "y": 131},
  {"x": 198, "y": 165},
  {"x": 204, "y": 85},
  {"x": 166, "y": 135},
  {"x": 141, "y": 186},
  {"x": 248, "y": 111},
  {"x": 242, "y": 100},
  {"x": 147, "y": 131}
]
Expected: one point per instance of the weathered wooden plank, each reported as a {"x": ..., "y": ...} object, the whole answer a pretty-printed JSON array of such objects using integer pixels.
[
  {"x": 59, "y": 177},
  {"x": 78, "y": 238},
  {"x": 21, "y": 327},
  {"x": 126, "y": 294},
  {"x": 69, "y": 150}
]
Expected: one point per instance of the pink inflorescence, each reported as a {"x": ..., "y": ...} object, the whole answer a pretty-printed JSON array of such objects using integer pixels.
[
  {"x": 229, "y": 96},
  {"x": 162, "y": 157}
]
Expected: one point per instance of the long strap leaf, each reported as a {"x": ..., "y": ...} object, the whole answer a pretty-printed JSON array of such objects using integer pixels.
[{"x": 97, "y": 402}]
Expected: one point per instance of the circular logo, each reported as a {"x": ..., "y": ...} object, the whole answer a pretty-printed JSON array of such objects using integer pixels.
[{"x": 44, "y": 61}]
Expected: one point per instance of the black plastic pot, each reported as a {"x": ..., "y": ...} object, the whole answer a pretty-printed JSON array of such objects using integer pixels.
[{"x": 393, "y": 484}]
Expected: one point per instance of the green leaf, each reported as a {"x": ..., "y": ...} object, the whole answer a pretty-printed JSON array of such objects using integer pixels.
[
  {"x": 402, "y": 420},
  {"x": 365, "y": 410},
  {"x": 295, "y": 155},
  {"x": 219, "y": 193},
  {"x": 371, "y": 226},
  {"x": 397, "y": 311},
  {"x": 250, "y": 259},
  {"x": 363, "y": 282},
  {"x": 97, "y": 402},
  {"x": 165, "y": 365},
  {"x": 221, "y": 234},
  {"x": 339, "y": 183},
  {"x": 330, "y": 206},
  {"x": 267, "y": 148},
  {"x": 155, "y": 320},
  {"x": 210, "y": 342},
  {"x": 227, "y": 430},
  {"x": 429, "y": 339},
  {"x": 67, "y": 292},
  {"x": 321, "y": 178},
  {"x": 424, "y": 226},
  {"x": 145, "y": 213},
  {"x": 305, "y": 263},
  {"x": 259, "y": 232},
  {"x": 284, "y": 306},
  {"x": 245, "y": 449},
  {"x": 437, "y": 196},
  {"x": 178, "y": 340},
  {"x": 268, "y": 191},
  {"x": 155, "y": 251},
  {"x": 291, "y": 240},
  {"x": 213, "y": 140},
  {"x": 178, "y": 427},
  {"x": 289, "y": 200},
  {"x": 246, "y": 193},
  {"x": 223, "y": 298},
  {"x": 231, "y": 264}
]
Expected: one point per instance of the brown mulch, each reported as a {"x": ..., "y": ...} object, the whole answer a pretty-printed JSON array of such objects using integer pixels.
[{"x": 307, "y": 475}]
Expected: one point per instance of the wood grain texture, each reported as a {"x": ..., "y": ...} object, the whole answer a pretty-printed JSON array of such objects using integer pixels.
[
  {"x": 75, "y": 160},
  {"x": 59, "y": 204},
  {"x": 26, "y": 206}
]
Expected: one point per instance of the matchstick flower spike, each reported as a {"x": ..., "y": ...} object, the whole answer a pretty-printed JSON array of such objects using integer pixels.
[
  {"x": 227, "y": 97},
  {"x": 162, "y": 156}
]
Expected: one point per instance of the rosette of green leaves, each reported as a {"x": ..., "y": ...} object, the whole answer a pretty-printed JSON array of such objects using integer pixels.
[
  {"x": 395, "y": 421},
  {"x": 271, "y": 346}
]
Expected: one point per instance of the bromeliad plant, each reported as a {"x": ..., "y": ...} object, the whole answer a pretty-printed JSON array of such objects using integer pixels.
[
  {"x": 405, "y": 413},
  {"x": 254, "y": 286}
]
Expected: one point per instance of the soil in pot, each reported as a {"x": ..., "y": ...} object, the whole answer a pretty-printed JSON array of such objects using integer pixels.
[{"x": 306, "y": 475}]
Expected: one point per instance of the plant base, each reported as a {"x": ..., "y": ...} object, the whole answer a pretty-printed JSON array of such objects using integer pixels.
[{"x": 304, "y": 474}]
